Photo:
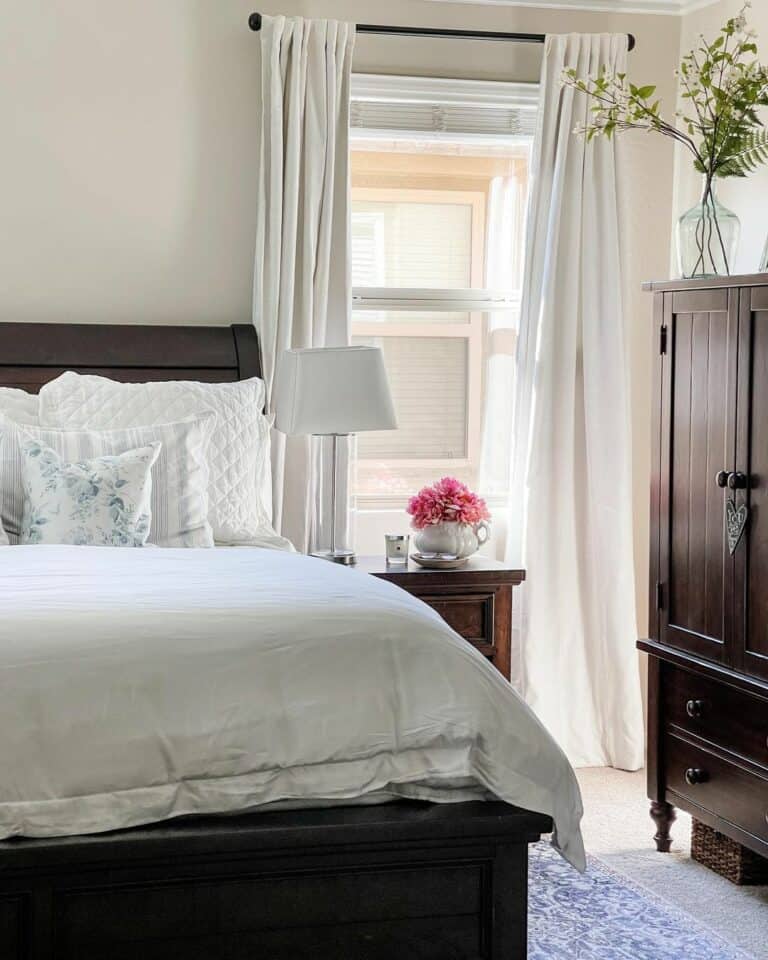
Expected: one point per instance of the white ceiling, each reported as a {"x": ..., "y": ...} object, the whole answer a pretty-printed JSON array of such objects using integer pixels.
[{"x": 675, "y": 7}]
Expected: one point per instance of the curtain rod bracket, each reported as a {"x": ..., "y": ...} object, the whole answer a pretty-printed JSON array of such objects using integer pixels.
[{"x": 254, "y": 22}]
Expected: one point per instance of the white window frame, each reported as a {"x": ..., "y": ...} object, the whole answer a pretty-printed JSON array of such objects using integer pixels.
[
  {"x": 475, "y": 300},
  {"x": 406, "y": 298}
]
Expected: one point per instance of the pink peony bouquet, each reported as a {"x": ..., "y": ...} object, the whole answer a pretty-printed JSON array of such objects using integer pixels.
[{"x": 447, "y": 500}]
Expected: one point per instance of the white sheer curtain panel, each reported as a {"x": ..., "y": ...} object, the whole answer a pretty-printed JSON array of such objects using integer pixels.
[
  {"x": 302, "y": 284},
  {"x": 570, "y": 510},
  {"x": 506, "y": 211}
]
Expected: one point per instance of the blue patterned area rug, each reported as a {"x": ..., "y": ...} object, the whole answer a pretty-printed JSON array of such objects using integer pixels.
[{"x": 601, "y": 915}]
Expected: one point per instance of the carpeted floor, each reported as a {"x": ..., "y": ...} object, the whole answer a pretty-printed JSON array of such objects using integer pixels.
[{"x": 618, "y": 831}]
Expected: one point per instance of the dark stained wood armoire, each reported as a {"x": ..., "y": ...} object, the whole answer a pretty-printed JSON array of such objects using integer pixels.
[{"x": 708, "y": 645}]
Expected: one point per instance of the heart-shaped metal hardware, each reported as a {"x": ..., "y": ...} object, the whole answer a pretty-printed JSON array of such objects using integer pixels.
[{"x": 735, "y": 522}]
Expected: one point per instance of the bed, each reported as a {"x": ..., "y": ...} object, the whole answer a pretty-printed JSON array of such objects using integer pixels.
[{"x": 214, "y": 846}]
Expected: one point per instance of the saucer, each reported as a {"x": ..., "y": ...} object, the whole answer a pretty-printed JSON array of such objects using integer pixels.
[{"x": 439, "y": 561}]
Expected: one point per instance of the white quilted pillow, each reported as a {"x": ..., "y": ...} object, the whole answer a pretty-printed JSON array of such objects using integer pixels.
[
  {"x": 18, "y": 405},
  {"x": 240, "y": 485},
  {"x": 179, "y": 477}
]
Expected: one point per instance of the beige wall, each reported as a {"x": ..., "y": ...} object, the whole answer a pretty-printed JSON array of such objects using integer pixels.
[
  {"x": 748, "y": 198},
  {"x": 127, "y": 189}
]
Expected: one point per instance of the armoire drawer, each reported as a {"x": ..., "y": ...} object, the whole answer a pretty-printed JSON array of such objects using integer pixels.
[
  {"x": 719, "y": 786},
  {"x": 727, "y": 717}
]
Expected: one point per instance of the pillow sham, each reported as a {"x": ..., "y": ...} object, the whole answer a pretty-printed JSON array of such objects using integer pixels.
[
  {"x": 179, "y": 481},
  {"x": 104, "y": 502},
  {"x": 21, "y": 406},
  {"x": 240, "y": 484}
]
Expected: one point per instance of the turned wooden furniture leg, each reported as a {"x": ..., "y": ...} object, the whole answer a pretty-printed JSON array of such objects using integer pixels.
[{"x": 663, "y": 815}]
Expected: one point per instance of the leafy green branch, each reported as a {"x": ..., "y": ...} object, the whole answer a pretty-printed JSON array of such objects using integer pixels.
[{"x": 723, "y": 86}]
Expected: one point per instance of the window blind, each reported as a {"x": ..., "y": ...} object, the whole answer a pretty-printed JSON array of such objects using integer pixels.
[
  {"x": 428, "y": 380},
  {"x": 411, "y": 244},
  {"x": 427, "y": 105}
]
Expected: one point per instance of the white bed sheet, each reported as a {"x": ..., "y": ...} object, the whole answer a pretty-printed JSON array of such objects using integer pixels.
[{"x": 139, "y": 685}]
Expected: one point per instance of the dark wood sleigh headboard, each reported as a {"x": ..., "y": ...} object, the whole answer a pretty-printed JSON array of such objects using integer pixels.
[{"x": 31, "y": 354}]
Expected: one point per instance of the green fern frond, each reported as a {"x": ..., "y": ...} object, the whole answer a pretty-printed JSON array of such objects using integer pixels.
[{"x": 744, "y": 155}]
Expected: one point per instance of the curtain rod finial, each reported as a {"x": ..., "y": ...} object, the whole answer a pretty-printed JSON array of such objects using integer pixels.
[{"x": 254, "y": 21}]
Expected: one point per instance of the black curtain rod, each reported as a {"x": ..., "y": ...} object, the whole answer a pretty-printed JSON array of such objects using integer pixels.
[{"x": 254, "y": 22}]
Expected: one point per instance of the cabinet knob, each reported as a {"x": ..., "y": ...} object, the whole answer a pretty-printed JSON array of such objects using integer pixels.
[
  {"x": 735, "y": 480},
  {"x": 695, "y": 708},
  {"x": 694, "y": 775}
]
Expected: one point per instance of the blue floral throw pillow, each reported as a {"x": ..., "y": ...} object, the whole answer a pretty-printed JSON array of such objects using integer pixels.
[{"x": 103, "y": 502}]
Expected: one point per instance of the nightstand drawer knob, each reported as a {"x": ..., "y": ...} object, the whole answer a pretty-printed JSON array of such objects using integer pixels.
[
  {"x": 694, "y": 775},
  {"x": 695, "y": 708}
]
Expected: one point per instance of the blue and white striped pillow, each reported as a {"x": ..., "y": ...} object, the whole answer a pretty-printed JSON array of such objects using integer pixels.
[
  {"x": 179, "y": 477},
  {"x": 21, "y": 406}
]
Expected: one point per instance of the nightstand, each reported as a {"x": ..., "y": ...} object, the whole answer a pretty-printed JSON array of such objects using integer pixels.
[{"x": 476, "y": 599}]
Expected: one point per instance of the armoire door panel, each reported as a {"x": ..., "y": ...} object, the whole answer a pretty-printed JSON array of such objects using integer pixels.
[
  {"x": 699, "y": 405},
  {"x": 751, "y": 596}
]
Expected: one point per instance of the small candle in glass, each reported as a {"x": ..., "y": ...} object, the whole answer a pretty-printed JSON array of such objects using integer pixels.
[{"x": 396, "y": 545}]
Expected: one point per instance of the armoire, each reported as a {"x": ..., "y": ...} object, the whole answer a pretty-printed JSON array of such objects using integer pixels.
[{"x": 708, "y": 643}]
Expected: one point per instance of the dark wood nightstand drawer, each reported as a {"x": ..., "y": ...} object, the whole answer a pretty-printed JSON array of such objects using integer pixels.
[
  {"x": 475, "y": 600},
  {"x": 470, "y": 614},
  {"x": 720, "y": 714},
  {"x": 717, "y": 785}
]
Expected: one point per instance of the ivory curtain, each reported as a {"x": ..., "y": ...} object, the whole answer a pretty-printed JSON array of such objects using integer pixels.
[
  {"x": 503, "y": 271},
  {"x": 302, "y": 283},
  {"x": 570, "y": 513}
]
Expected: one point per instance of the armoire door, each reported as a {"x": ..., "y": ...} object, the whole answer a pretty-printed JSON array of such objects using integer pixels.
[
  {"x": 696, "y": 437},
  {"x": 750, "y": 642}
]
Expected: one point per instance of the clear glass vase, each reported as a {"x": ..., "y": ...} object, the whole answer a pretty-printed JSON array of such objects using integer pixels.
[{"x": 707, "y": 237}]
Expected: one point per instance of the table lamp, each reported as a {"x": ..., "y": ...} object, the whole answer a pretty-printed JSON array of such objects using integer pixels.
[{"x": 333, "y": 391}]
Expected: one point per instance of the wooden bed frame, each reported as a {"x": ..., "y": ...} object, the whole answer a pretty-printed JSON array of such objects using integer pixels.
[{"x": 416, "y": 881}]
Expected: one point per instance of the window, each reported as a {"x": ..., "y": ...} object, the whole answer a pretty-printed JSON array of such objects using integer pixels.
[{"x": 439, "y": 185}]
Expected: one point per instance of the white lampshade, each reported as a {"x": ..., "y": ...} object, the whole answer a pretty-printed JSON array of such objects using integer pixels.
[{"x": 333, "y": 390}]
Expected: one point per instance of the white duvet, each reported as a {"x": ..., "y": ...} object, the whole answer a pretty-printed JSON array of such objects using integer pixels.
[{"x": 138, "y": 685}]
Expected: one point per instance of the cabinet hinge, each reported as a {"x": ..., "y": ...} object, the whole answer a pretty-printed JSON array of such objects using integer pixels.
[
  {"x": 663, "y": 338},
  {"x": 659, "y": 596}
]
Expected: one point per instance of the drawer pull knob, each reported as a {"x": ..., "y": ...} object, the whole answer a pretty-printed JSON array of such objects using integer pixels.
[
  {"x": 694, "y": 775},
  {"x": 695, "y": 708}
]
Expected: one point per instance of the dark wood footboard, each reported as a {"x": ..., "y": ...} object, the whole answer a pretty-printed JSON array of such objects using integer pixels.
[{"x": 408, "y": 881}]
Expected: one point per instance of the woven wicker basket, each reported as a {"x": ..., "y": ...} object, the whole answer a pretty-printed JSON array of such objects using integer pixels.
[{"x": 726, "y": 857}]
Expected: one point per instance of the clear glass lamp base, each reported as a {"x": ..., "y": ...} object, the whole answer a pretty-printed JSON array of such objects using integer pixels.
[{"x": 346, "y": 557}]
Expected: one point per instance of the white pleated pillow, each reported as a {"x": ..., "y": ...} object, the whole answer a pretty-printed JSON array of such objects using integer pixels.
[
  {"x": 179, "y": 477},
  {"x": 240, "y": 484},
  {"x": 19, "y": 405}
]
